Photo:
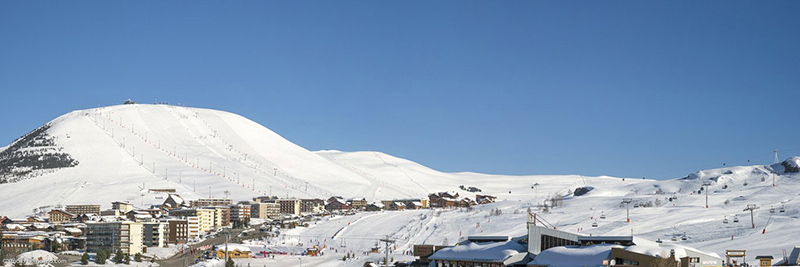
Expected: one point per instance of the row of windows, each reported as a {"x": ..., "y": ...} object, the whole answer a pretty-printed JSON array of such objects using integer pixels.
[{"x": 550, "y": 241}]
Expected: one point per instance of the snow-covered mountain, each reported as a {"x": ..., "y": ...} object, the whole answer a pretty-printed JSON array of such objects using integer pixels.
[{"x": 117, "y": 153}]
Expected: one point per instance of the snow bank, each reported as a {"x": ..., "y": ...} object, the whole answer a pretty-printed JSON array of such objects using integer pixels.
[{"x": 37, "y": 257}]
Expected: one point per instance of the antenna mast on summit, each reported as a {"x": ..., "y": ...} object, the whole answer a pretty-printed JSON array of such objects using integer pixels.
[{"x": 776, "y": 156}]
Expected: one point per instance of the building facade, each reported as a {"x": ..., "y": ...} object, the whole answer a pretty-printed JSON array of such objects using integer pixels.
[
  {"x": 265, "y": 210},
  {"x": 178, "y": 231},
  {"x": 290, "y": 206},
  {"x": 240, "y": 212},
  {"x": 206, "y": 202},
  {"x": 58, "y": 216},
  {"x": 112, "y": 236},
  {"x": 79, "y": 210}
]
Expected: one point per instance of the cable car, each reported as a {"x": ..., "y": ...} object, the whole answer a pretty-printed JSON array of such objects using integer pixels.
[
  {"x": 735, "y": 219},
  {"x": 745, "y": 183},
  {"x": 725, "y": 220},
  {"x": 762, "y": 179}
]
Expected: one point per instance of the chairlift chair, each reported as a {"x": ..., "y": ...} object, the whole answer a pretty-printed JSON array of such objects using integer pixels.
[
  {"x": 602, "y": 216},
  {"x": 674, "y": 238},
  {"x": 594, "y": 224},
  {"x": 736, "y": 219},
  {"x": 725, "y": 220},
  {"x": 782, "y": 209},
  {"x": 771, "y": 210},
  {"x": 684, "y": 238}
]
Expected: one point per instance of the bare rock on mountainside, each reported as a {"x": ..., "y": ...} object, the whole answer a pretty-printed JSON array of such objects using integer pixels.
[{"x": 791, "y": 165}]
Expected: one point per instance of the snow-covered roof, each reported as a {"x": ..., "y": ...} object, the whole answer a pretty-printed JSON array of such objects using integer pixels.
[
  {"x": 570, "y": 256},
  {"x": 234, "y": 247},
  {"x": 13, "y": 226},
  {"x": 73, "y": 230},
  {"x": 379, "y": 205},
  {"x": 480, "y": 252}
]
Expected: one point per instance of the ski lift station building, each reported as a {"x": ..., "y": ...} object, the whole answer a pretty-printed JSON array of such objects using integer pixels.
[{"x": 550, "y": 247}]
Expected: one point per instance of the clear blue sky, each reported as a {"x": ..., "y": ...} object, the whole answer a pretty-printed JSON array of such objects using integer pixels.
[{"x": 623, "y": 88}]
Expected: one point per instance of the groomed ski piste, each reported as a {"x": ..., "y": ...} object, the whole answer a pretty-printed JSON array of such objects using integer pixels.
[{"x": 123, "y": 151}]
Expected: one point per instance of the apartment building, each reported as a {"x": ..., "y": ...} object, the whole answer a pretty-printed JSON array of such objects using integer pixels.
[
  {"x": 265, "y": 210},
  {"x": 314, "y": 205},
  {"x": 178, "y": 231},
  {"x": 290, "y": 206},
  {"x": 204, "y": 219},
  {"x": 206, "y": 202},
  {"x": 240, "y": 212},
  {"x": 122, "y": 207},
  {"x": 79, "y": 210},
  {"x": 112, "y": 236},
  {"x": 155, "y": 234}
]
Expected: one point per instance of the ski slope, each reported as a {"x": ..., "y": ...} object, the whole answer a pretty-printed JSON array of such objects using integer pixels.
[{"x": 127, "y": 149}]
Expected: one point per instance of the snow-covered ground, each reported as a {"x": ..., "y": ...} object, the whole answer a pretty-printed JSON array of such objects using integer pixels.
[{"x": 125, "y": 150}]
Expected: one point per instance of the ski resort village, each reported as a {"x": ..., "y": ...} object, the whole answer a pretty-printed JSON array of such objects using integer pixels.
[
  {"x": 165, "y": 185},
  {"x": 168, "y": 185}
]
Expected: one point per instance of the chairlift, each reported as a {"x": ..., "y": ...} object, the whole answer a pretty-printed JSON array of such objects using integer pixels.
[
  {"x": 762, "y": 179},
  {"x": 684, "y": 236},
  {"x": 674, "y": 238},
  {"x": 745, "y": 183},
  {"x": 725, "y": 220},
  {"x": 636, "y": 205},
  {"x": 771, "y": 210},
  {"x": 782, "y": 209},
  {"x": 659, "y": 241},
  {"x": 594, "y": 224},
  {"x": 602, "y": 216},
  {"x": 736, "y": 219}
]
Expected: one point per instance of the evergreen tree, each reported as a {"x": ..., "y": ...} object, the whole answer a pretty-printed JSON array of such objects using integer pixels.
[
  {"x": 85, "y": 258},
  {"x": 127, "y": 259},
  {"x": 229, "y": 263},
  {"x": 119, "y": 256},
  {"x": 54, "y": 246},
  {"x": 101, "y": 257},
  {"x": 137, "y": 257}
]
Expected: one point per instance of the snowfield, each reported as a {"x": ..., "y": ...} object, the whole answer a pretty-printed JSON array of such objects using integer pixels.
[{"x": 125, "y": 150}]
